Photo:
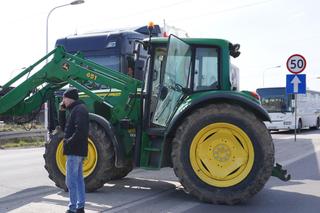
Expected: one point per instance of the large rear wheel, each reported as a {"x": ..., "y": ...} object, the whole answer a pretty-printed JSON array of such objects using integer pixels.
[
  {"x": 118, "y": 173},
  {"x": 222, "y": 154}
]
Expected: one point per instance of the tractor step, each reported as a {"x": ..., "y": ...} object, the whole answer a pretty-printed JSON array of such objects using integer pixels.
[
  {"x": 152, "y": 151},
  {"x": 156, "y": 131}
]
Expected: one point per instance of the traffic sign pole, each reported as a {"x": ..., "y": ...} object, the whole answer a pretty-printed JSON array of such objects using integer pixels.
[{"x": 295, "y": 116}]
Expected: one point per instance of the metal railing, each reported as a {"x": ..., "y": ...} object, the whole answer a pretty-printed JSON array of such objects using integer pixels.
[{"x": 22, "y": 134}]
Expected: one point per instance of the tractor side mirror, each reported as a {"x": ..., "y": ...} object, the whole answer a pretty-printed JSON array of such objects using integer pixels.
[{"x": 138, "y": 69}]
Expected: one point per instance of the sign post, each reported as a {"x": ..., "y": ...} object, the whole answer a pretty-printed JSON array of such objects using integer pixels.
[
  {"x": 295, "y": 116},
  {"x": 296, "y": 84}
]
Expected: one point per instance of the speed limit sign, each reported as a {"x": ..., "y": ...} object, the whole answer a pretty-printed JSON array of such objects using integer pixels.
[{"x": 296, "y": 63}]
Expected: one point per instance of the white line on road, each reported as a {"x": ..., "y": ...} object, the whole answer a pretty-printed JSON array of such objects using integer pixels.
[
  {"x": 125, "y": 207},
  {"x": 28, "y": 193}
]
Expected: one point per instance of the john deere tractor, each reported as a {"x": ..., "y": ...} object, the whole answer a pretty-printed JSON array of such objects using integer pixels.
[{"x": 187, "y": 114}]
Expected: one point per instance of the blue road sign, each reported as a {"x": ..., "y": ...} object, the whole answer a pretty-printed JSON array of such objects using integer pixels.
[{"x": 296, "y": 84}]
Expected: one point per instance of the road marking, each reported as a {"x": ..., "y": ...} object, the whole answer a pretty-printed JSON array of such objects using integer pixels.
[
  {"x": 165, "y": 192},
  {"x": 28, "y": 194}
]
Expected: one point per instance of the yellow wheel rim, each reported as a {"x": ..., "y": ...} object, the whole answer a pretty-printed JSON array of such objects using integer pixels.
[
  {"x": 89, "y": 164},
  {"x": 221, "y": 154}
]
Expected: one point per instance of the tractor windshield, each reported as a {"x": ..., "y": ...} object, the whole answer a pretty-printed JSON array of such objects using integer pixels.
[
  {"x": 175, "y": 78},
  {"x": 112, "y": 62}
]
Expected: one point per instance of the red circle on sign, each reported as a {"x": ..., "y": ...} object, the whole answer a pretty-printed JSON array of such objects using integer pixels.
[{"x": 300, "y": 69}]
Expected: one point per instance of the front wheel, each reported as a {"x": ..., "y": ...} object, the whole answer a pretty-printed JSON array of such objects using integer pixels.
[
  {"x": 97, "y": 167},
  {"x": 317, "y": 126},
  {"x": 223, "y": 154}
]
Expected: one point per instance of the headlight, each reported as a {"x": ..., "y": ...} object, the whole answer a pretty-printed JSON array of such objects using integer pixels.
[{"x": 287, "y": 123}]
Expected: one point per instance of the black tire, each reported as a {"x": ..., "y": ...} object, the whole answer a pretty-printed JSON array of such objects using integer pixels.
[
  {"x": 118, "y": 173},
  {"x": 317, "y": 126},
  {"x": 299, "y": 126},
  {"x": 261, "y": 141},
  {"x": 105, "y": 159}
]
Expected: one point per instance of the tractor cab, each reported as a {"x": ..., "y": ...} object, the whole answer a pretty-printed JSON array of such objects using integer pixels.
[{"x": 180, "y": 68}]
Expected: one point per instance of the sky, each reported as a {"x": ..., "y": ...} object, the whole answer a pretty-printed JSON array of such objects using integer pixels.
[{"x": 268, "y": 31}]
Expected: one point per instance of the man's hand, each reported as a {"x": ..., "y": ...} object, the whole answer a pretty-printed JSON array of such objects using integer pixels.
[{"x": 62, "y": 107}]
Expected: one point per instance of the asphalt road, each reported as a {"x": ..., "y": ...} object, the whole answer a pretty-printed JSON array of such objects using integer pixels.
[{"x": 25, "y": 187}]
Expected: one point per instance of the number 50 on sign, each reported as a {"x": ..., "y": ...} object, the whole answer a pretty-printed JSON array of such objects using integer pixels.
[{"x": 296, "y": 63}]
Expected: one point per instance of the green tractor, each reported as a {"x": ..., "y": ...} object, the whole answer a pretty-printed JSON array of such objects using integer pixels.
[{"x": 187, "y": 114}]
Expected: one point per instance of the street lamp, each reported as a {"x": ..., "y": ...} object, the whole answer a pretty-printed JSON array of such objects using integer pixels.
[
  {"x": 47, "y": 50},
  {"x": 47, "y": 24},
  {"x": 278, "y": 66}
]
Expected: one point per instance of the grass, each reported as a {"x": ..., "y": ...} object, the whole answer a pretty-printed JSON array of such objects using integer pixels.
[{"x": 21, "y": 143}]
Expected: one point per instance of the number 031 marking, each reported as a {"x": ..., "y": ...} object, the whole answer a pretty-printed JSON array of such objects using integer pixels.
[
  {"x": 296, "y": 63},
  {"x": 91, "y": 76}
]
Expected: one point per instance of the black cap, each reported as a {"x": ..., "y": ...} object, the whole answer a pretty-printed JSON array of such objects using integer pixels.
[{"x": 71, "y": 93}]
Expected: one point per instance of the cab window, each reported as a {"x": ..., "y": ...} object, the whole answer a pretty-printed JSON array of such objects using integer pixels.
[{"x": 206, "y": 69}]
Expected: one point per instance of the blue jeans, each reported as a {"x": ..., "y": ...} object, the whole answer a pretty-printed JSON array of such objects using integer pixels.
[{"x": 75, "y": 182}]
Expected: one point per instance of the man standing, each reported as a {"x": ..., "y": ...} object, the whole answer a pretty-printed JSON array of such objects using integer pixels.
[{"x": 76, "y": 130}]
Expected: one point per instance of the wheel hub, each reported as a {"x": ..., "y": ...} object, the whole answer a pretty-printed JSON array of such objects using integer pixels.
[{"x": 221, "y": 154}]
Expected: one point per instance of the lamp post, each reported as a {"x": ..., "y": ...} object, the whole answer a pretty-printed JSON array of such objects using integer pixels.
[
  {"x": 278, "y": 66},
  {"x": 76, "y": 2},
  {"x": 47, "y": 23}
]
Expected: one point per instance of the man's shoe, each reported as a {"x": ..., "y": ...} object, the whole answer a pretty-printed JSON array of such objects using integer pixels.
[
  {"x": 81, "y": 210},
  {"x": 69, "y": 211}
]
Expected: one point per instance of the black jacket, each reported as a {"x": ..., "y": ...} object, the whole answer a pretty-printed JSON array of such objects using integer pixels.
[{"x": 76, "y": 129}]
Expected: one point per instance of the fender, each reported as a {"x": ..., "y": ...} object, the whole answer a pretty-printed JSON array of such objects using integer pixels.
[
  {"x": 226, "y": 97},
  {"x": 118, "y": 146}
]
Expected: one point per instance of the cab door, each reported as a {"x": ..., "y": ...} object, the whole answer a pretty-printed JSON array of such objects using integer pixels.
[{"x": 175, "y": 79}]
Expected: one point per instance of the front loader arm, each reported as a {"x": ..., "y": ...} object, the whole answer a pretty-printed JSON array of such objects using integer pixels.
[{"x": 63, "y": 69}]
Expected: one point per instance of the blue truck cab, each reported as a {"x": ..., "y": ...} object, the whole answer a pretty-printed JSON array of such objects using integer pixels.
[{"x": 113, "y": 49}]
